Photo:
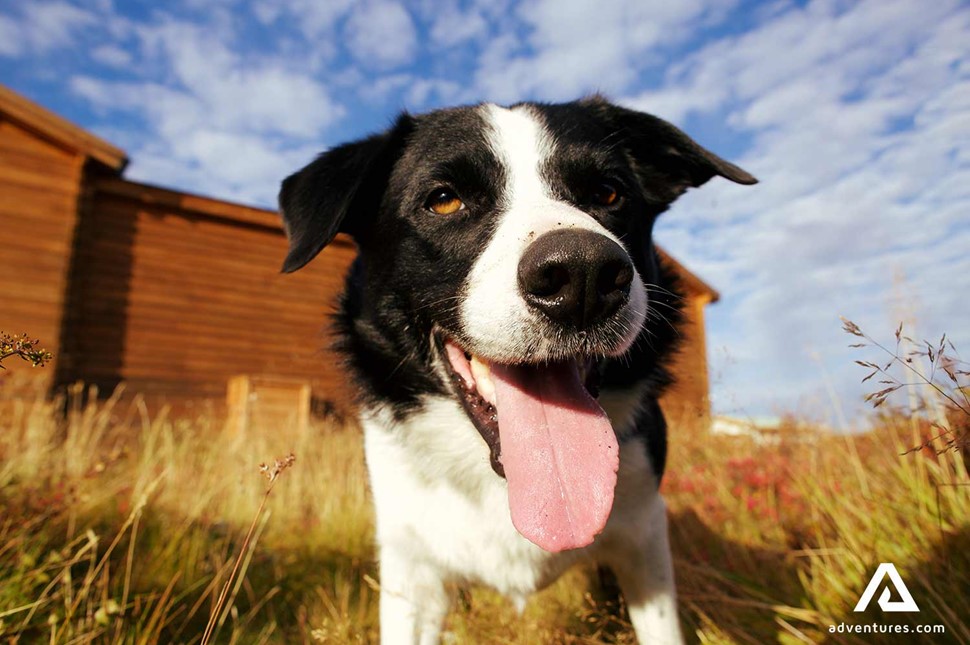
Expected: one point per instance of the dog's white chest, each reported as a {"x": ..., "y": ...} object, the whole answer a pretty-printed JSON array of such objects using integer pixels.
[
  {"x": 437, "y": 500},
  {"x": 443, "y": 515}
]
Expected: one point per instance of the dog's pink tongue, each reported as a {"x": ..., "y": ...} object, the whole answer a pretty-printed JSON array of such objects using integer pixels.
[{"x": 559, "y": 452}]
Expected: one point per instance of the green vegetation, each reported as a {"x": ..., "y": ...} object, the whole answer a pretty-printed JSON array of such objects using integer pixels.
[{"x": 121, "y": 525}]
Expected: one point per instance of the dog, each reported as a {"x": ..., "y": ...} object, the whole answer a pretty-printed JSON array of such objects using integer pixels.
[{"x": 507, "y": 323}]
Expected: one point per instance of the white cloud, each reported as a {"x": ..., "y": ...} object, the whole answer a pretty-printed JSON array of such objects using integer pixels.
[
  {"x": 191, "y": 150},
  {"x": 381, "y": 34},
  {"x": 858, "y": 116},
  {"x": 572, "y": 48},
  {"x": 314, "y": 18},
  {"x": 112, "y": 56},
  {"x": 452, "y": 26},
  {"x": 220, "y": 121},
  {"x": 379, "y": 90},
  {"x": 246, "y": 168},
  {"x": 42, "y": 27},
  {"x": 54, "y": 24},
  {"x": 169, "y": 112},
  {"x": 435, "y": 90},
  {"x": 9, "y": 41},
  {"x": 238, "y": 92}
]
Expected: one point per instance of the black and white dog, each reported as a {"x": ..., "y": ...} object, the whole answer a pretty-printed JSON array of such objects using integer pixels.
[{"x": 507, "y": 322}]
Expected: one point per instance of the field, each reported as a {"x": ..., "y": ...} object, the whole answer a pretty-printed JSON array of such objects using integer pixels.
[{"x": 121, "y": 525}]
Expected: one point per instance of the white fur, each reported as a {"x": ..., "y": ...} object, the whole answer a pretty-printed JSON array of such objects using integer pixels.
[
  {"x": 495, "y": 317},
  {"x": 442, "y": 512},
  {"x": 443, "y": 515}
]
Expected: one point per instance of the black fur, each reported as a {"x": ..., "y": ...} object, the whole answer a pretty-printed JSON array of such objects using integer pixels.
[{"x": 349, "y": 180}]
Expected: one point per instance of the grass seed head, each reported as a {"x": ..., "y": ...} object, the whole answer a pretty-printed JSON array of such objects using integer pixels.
[
  {"x": 23, "y": 347},
  {"x": 273, "y": 472}
]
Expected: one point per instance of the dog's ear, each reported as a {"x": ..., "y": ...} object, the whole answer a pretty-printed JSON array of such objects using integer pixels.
[
  {"x": 668, "y": 161},
  {"x": 338, "y": 192}
]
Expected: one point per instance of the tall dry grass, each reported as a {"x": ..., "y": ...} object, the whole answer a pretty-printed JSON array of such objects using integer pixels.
[
  {"x": 776, "y": 536},
  {"x": 121, "y": 526},
  {"x": 118, "y": 525}
]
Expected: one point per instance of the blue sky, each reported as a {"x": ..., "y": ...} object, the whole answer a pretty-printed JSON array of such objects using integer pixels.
[{"x": 854, "y": 115}]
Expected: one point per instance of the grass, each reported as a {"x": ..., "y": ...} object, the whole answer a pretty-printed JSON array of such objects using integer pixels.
[{"x": 120, "y": 525}]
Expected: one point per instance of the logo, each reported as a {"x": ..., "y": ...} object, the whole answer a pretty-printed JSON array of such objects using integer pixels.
[{"x": 887, "y": 569}]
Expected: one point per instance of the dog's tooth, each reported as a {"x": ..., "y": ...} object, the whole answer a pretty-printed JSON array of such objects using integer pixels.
[
  {"x": 483, "y": 379},
  {"x": 479, "y": 369}
]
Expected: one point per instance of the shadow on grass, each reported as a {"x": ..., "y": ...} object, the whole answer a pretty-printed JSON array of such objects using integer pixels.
[
  {"x": 722, "y": 585},
  {"x": 177, "y": 570},
  {"x": 746, "y": 593},
  {"x": 307, "y": 593},
  {"x": 730, "y": 587}
]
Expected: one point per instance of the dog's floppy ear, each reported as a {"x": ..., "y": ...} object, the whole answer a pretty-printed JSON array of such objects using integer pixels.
[
  {"x": 337, "y": 192},
  {"x": 669, "y": 161}
]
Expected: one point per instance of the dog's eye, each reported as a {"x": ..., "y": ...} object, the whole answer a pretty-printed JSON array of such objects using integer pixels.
[
  {"x": 443, "y": 201},
  {"x": 605, "y": 194}
]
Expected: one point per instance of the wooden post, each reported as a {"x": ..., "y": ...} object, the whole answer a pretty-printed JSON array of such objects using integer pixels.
[
  {"x": 237, "y": 404},
  {"x": 264, "y": 403}
]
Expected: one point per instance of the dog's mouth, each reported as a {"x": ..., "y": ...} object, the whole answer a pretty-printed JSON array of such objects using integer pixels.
[{"x": 548, "y": 437}]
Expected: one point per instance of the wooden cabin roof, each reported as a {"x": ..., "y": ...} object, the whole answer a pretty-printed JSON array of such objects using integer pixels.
[
  {"x": 61, "y": 131},
  {"x": 200, "y": 205}
]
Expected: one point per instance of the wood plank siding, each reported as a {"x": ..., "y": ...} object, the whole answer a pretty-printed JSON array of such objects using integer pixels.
[
  {"x": 175, "y": 294},
  {"x": 44, "y": 160},
  {"x": 39, "y": 186},
  {"x": 688, "y": 398}
]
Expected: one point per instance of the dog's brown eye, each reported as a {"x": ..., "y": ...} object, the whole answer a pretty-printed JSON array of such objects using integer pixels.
[
  {"x": 606, "y": 194},
  {"x": 443, "y": 201}
]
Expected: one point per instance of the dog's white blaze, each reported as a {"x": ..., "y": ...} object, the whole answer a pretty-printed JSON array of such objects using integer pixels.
[
  {"x": 493, "y": 312},
  {"x": 522, "y": 145}
]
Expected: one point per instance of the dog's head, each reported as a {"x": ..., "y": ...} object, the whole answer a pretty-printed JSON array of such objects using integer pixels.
[{"x": 515, "y": 245}]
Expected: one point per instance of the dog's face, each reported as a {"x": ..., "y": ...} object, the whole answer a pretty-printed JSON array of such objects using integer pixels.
[{"x": 510, "y": 249}]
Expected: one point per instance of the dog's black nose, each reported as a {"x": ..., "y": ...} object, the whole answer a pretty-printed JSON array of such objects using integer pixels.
[{"x": 576, "y": 277}]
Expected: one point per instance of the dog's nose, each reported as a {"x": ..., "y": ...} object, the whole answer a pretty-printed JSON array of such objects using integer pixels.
[{"x": 575, "y": 277}]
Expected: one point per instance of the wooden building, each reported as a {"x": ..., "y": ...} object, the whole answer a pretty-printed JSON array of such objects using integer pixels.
[
  {"x": 689, "y": 396},
  {"x": 177, "y": 294}
]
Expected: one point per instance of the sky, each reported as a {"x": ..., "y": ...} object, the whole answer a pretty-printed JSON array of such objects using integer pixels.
[{"x": 855, "y": 116}]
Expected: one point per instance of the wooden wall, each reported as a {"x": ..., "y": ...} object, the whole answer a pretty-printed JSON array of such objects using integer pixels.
[
  {"x": 688, "y": 397},
  {"x": 39, "y": 184},
  {"x": 174, "y": 294}
]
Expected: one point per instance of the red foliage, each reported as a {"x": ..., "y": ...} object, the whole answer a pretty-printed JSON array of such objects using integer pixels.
[{"x": 762, "y": 486}]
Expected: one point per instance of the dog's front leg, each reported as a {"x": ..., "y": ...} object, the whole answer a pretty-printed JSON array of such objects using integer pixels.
[
  {"x": 645, "y": 574},
  {"x": 413, "y": 601}
]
